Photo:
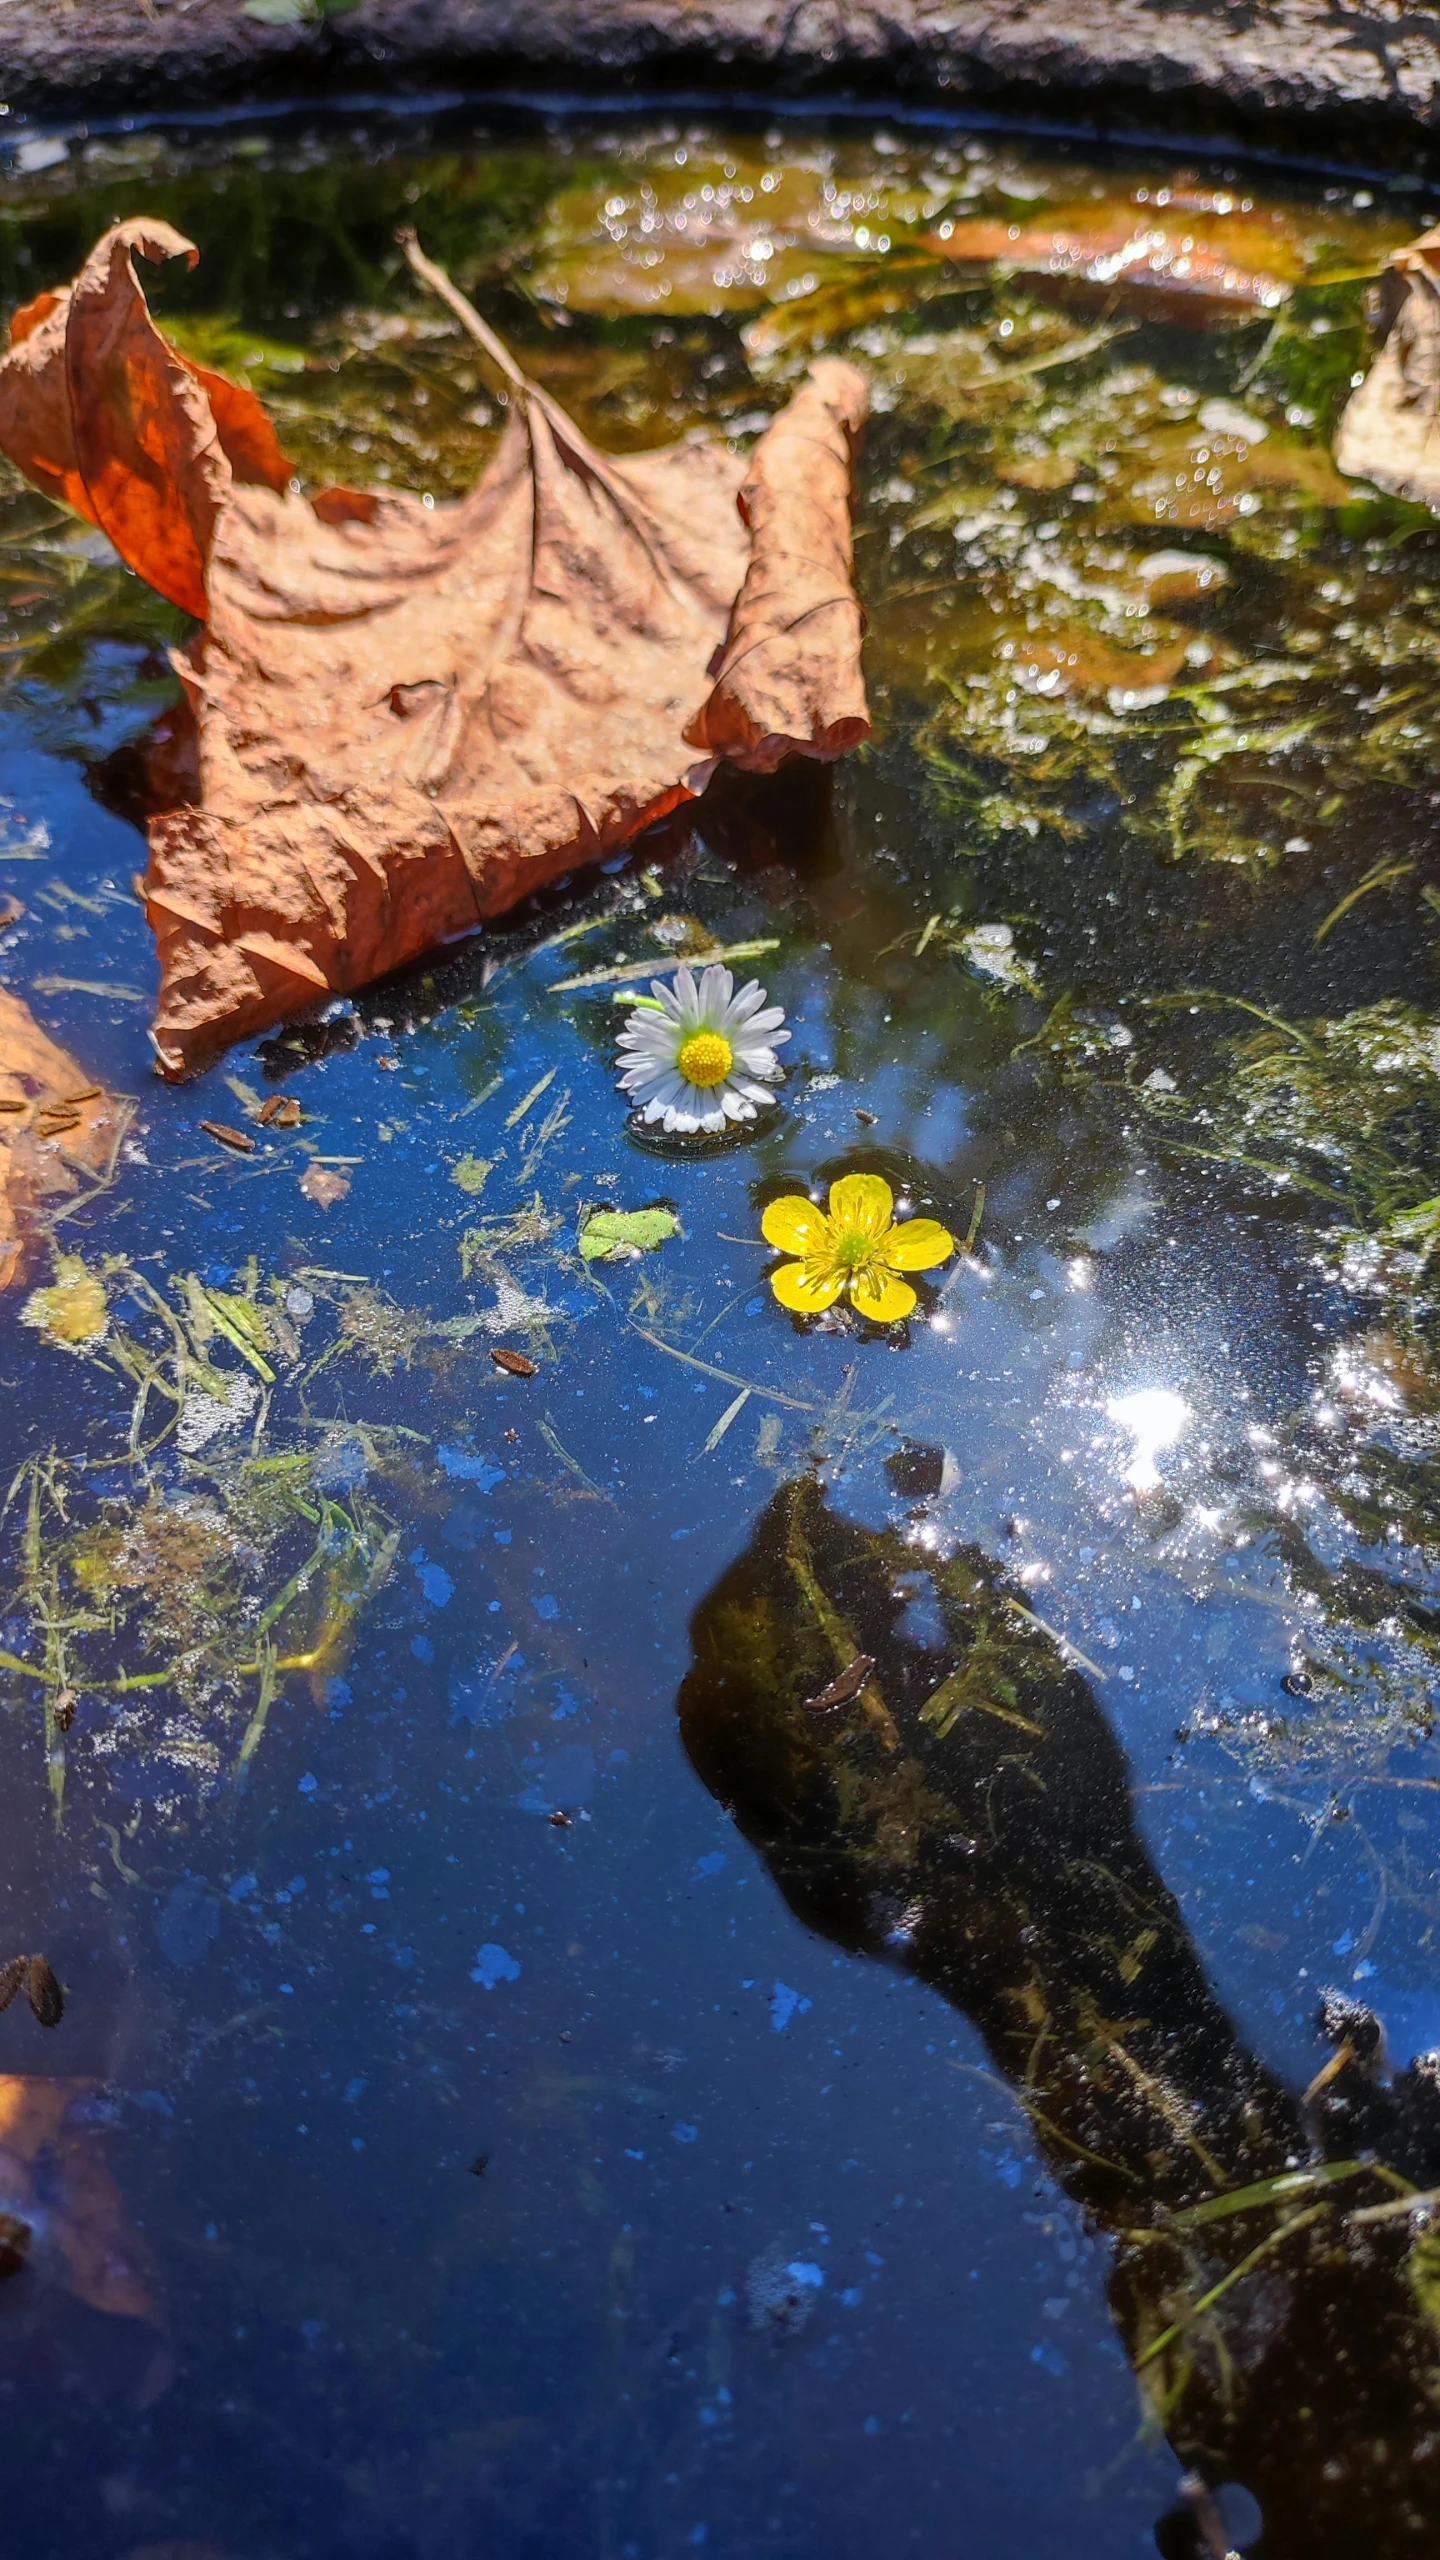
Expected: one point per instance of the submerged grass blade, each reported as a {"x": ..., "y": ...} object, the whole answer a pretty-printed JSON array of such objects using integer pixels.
[
  {"x": 255, "y": 1729},
  {"x": 1381, "y": 877},
  {"x": 1265, "y": 2191},
  {"x": 1207, "y": 2301}
]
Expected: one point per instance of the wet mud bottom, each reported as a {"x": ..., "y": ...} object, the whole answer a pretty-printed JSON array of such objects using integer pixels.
[{"x": 678, "y": 1927}]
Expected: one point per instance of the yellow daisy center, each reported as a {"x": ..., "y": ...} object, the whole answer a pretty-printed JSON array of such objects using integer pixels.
[{"x": 705, "y": 1059}]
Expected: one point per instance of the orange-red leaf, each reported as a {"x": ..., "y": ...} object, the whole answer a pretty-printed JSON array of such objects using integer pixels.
[{"x": 100, "y": 411}]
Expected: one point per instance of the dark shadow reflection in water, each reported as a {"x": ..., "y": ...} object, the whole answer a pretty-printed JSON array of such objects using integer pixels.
[{"x": 968, "y": 1816}]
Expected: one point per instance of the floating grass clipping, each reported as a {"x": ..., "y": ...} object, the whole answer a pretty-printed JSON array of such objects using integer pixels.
[{"x": 237, "y": 1553}]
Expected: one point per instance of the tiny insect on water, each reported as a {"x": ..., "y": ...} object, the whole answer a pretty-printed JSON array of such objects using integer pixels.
[
  {"x": 847, "y": 1685},
  {"x": 514, "y": 1363}
]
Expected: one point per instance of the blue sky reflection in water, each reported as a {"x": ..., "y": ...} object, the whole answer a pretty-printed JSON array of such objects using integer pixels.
[{"x": 539, "y": 2121}]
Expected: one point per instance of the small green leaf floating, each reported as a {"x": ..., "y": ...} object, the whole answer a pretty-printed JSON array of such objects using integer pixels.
[{"x": 621, "y": 1235}]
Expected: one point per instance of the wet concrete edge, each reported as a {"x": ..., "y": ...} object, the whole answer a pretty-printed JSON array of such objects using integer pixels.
[{"x": 1328, "y": 81}]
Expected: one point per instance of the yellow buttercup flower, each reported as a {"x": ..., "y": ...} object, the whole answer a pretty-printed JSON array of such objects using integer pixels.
[{"x": 856, "y": 1250}]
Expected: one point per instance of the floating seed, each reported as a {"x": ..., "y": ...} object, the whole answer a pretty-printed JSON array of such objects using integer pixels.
[
  {"x": 11, "y": 1977},
  {"x": 239, "y": 1139},
  {"x": 46, "y": 1997},
  {"x": 842, "y": 1689},
  {"x": 868, "y": 1117},
  {"x": 282, "y": 1111},
  {"x": 514, "y": 1363},
  {"x": 87, "y": 1093},
  {"x": 13, "y": 1102}
]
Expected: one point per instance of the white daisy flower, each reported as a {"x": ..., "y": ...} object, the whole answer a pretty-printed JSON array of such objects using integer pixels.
[{"x": 701, "y": 1056}]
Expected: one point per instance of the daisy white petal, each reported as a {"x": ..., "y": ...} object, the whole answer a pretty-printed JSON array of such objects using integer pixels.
[
  {"x": 702, "y": 1057},
  {"x": 748, "y": 1001}
]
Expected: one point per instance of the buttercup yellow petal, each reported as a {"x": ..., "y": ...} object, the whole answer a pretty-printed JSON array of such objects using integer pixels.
[
  {"x": 795, "y": 1225},
  {"x": 880, "y": 1298},
  {"x": 806, "y": 1290},
  {"x": 917, "y": 1244},
  {"x": 861, "y": 1200}
]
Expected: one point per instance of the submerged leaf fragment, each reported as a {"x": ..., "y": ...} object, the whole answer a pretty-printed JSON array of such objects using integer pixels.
[
  {"x": 1197, "y": 263},
  {"x": 74, "y": 1310},
  {"x": 322, "y": 1184},
  {"x": 52, "y": 2165},
  {"x": 622, "y": 1235}
]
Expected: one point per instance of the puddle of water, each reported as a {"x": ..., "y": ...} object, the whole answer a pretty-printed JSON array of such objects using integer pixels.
[{"x": 526, "y": 2081}]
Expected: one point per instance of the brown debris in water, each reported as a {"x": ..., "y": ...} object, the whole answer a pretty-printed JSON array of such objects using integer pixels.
[
  {"x": 53, "y": 2175},
  {"x": 1390, "y": 430},
  {"x": 411, "y": 716}
]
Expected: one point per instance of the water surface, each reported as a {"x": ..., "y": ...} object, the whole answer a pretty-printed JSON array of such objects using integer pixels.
[{"x": 529, "y": 2088}]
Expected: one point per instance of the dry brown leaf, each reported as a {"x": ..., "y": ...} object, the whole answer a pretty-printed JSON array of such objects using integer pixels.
[
  {"x": 1390, "y": 430},
  {"x": 789, "y": 682},
  {"x": 323, "y": 1185},
  {"x": 53, "y": 2174},
  {"x": 1193, "y": 258},
  {"x": 48, "y": 1143},
  {"x": 410, "y": 716},
  {"x": 102, "y": 412}
]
